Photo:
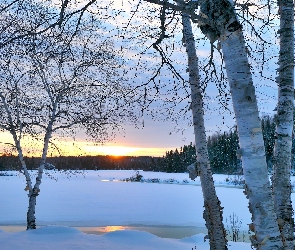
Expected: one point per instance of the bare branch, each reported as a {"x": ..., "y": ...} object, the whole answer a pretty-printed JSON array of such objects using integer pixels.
[{"x": 188, "y": 8}]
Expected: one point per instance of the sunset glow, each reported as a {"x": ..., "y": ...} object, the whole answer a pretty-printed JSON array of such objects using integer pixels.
[
  {"x": 108, "y": 229},
  {"x": 123, "y": 150},
  {"x": 110, "y": 150},
  {"x": 77, "y": 148}
]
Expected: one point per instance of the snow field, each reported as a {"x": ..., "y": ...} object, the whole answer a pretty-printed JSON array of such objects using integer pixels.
[{"x": 99, "y": 198}]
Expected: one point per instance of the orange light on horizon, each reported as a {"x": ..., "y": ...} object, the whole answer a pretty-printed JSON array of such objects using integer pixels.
[
  {"x": 110, "y": 150},
  {"x": 69, "y": 147},
  {"x": 123, "y": 150},
  {"x": 108, "y": 229}
]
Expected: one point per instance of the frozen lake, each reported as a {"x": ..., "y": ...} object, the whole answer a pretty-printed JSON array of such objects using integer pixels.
[{"x": 113, "y": 213}]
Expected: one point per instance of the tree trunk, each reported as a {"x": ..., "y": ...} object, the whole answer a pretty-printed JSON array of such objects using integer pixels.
[
  {"x": 218, "y": 21},
  {"x": 33, "y": 193},
  {"x": 222, "y": 24},
  {"x": 284, "y": 120},
  {"x": 31, "y": 219},
  {"x": 258, "y": 189},
  {"x": 213, "y": 210}
]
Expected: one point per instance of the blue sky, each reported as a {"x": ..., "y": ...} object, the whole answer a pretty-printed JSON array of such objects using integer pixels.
[
  {"x": 160, "y": 134},
  {"x": 167, "y": 132}
]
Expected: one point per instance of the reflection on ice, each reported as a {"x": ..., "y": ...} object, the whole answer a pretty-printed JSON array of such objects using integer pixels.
[{"x": 174, "y": 232}]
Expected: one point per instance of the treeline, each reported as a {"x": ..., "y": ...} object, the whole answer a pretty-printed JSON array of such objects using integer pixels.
[
  {"x": 147, "y": 163},
  {"x": 222, "y": 155},
  {"x": 222, "y": 150},
  {"x": 176, "y": 161}
]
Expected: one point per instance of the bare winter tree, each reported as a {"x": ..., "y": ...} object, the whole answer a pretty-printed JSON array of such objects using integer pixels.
[
  {"x": 213, "y": 209},
  {"x": 284, "y": 129},
  {"x": 229, "y": 33},
  {"x": 56, "y": 82},
  {"x": 218, "y": 21},
  {"x": 168, "y": 22}
]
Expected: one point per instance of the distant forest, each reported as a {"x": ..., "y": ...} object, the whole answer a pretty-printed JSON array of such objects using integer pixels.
[
  {"x": 100, "y": 162},
  {"x": 222, "y": 149}
]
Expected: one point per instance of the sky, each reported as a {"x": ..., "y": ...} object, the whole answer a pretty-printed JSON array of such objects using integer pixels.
[{"x": 165, "y": 132}]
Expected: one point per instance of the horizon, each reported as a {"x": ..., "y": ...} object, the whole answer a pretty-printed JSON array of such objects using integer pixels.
[{"x": 69, "y": 147}]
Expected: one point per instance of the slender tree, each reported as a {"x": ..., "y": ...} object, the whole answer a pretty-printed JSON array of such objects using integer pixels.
[
  {"x": 218, "y": 21},
  {"x": 284, "y": 124},
  {"x": 213, "y": 210},
  {"x": 228, "y": 31}
]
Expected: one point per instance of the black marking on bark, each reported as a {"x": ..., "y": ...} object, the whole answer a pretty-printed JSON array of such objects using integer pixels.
[
  {"x": 234, "y": 26},
  {"x": 216, "y": 19},
  {"x": 250, "y": 93},
  {"x": 211, "y": 32}
]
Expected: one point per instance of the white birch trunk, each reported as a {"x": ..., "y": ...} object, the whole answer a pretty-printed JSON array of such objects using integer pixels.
[
  {"x": 34, "y": 192},
  {"x": 258, "y": 189},
  {"x": 28, "y": 187},
  {"x": 213, "y": 210},
  {"x": 284, "y": 119}
]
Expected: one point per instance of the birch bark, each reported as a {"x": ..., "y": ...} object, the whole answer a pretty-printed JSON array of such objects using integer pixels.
[
  {"x": 258, "y": 191},
  {"x": 222, "y": 24},
  {"x": 284, "y": 119},
  {"x": 212, "y": 209},
  {"x": 34, "y": 192}
]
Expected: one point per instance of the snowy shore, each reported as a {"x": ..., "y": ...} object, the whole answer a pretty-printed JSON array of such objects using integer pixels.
[{"x": 101, "y": 199}]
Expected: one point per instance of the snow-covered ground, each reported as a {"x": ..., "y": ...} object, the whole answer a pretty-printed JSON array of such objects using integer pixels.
[{"x": 99, "y": 199}]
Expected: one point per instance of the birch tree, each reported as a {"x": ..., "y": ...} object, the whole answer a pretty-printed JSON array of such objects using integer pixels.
[
  {"x": 213, "y": 210},
  {"x": 218, "y": 21},
  {"x": 227, "y": 29},
  {"x": 284, "y": 128},
  {"x": 55, "y": 82}
]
